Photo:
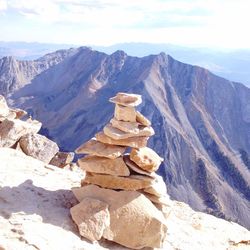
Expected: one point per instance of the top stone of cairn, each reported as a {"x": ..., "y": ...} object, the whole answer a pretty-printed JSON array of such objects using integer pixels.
[{"x": 125, "y": 99}]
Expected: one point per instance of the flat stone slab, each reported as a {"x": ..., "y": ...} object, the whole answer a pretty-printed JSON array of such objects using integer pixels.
[
  {"x": 134, "y": 142},
  {"x": 133, "y": 182},
  {"x": 163, "y": 200},
  {"x": 126, "y": 99},
  {"x": 118, "y": 134},
  {"x": 97, "y": 148},
  {"x": 146, "y": 158},
  {"x": 136, "y": 169},
  {"x": 102, "y": 165},
  {"x": 129, "y": 127}
]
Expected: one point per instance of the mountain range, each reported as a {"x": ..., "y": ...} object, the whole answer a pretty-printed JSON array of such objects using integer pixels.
[
  {"x": 202, "y": 121},
  {"x": 232, "y": 64}
]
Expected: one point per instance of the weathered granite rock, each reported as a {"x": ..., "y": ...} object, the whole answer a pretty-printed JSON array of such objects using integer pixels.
[
  {"x": 118, "y": 134},
  {"x": 61, "y": 159},
  {"x": 129, "y": 127},
  {"x": 12, "y": 130},
  {"x": 92, "y": 217},
  {"x": 135, "y": 142},
  {"x": 135, "y": 168},
  {"x": 140, "y": 118},
  {"x": 158, "y": 188},
  {"x": 133, "y": 182},
  {"x": 125, "y": 99},
  {"x": 127, "y": 114},
  {"x": 102, "y": 165},
  {"x": 94, "y": 147},
  {"x": 146, "y": 158},
  {"x": 38, "y": 146},
  {"x": 134, "y": 221}
]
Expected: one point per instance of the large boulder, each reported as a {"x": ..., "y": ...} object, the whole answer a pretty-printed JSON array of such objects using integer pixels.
[
  {"x": 92, "y": 218},
  {"x": 11, "y": 130},
  {"x": 39, "y": 147},
  {"x": 134, "y": 221}
]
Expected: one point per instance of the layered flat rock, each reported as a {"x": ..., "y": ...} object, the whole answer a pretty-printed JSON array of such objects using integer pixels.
[
  {"x": 164, "y": 200},
  {"x": 125, "y": 99},
  {"x": 94, "y": 147},
  {"x": 134, "y": 142},
  {"x": 135, "y": 168},
  {"x": 134, "y": 221},
  {"x": 133, "y": 182},
  {"x": 39, "y": 147},
  {"x": 127, "y": 114},
  {"x": 61, "y": 159},
  {"x": 92, "y": 217},
  {"x": 129, "y": 127},
  {"x": 158, "y": 188},
  {"x": 102, "y": 165},
  {"x": 146, "y": 158},
  {"x": 118, "y": 134},
  {"x": 12, "y": 130},
  {"x": 140, "y": 118}
]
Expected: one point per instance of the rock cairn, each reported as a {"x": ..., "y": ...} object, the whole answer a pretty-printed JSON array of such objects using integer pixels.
[
  {"x": 121, "y": 198},
  {"x": 20, "y": 132}
]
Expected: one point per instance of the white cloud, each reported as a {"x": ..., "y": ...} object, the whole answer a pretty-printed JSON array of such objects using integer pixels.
[
  {"x": 221, "y": 23},
  {"x": 3, "y": 5}
]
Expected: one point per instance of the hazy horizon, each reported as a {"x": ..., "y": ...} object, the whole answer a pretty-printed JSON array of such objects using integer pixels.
[{"x": 197, "y": 24}]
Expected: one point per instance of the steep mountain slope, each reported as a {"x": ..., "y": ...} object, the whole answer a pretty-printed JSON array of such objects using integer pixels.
[
  {"x": 202, "y": 121},
  {"x": 14, "y": 74}
]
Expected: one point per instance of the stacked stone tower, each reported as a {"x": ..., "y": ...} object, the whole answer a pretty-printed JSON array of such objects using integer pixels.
[{"x": 121, "y": 196}]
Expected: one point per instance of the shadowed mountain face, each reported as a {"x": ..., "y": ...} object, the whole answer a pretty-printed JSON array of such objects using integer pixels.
[{"x": 202, "y": 122}]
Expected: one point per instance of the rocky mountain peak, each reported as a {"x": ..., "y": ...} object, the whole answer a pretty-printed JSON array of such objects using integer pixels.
[{"x": 195, "y": 114}]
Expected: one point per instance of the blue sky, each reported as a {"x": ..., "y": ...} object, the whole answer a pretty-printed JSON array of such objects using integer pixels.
[{"x": 200, "y": 23}]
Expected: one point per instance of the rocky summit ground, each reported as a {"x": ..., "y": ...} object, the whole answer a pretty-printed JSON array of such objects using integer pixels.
[{"x": 35, "y": 199}]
